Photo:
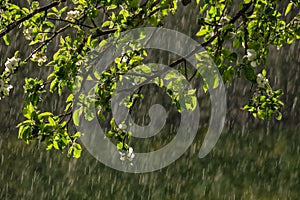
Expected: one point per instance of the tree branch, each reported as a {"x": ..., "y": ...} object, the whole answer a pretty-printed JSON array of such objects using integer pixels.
[
  {"x": 16, "y": 23},
  {"x": 103, "y": 32},
  {"x": 204, "y": 44},
  {"x": 70, "y": 22},
  {"x": 47, "y": 41}
]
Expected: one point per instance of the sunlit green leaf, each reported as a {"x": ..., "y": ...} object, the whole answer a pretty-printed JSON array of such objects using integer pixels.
[
  {"x": 279, "y": 116},
  {"x": 6, "y": 39},
  {"x": 77, "y": 151},
  {"x": 288, "y": 8},
  {"x": 76, "y": 116}
]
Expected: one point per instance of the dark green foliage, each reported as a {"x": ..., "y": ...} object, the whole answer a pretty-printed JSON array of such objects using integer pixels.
[{"x": 238, "y": 43}]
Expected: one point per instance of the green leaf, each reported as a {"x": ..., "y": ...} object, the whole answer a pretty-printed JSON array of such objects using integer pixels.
[
  {"x": 288, "y": 8},
  {"x": 53, "y": 85},
  {"x": 33, "y": 42},
  {"x": 264, "y": 72},
  {"x": 49, "y": 147},
  {"x": 194, "y": 102},
  {"x": 134, "y": 3},
  {"x": 278, "y": 92},
  {"x": 247, "y": 107},
  {"x": 205, "y": 87},
  {"x": 51, "y": 14},
  {"x": 92, "y": 13},
  {"x": 237, "y": 43},
  {"x": 249, "y": 73},
  {"x": 232, "y": 57},
  {"x": 201, "y": 33},
  {"x": 70, "y": 98},
  {"x": 170, "y": 75},
  {"x": 48, "y": 25},
  {"x": 51, "y": 121},
  {"x": 279, "y": 117},
  {"x": 64, "y": 9},
  {"x": 190, "y": 92},
  {"x": 107, "y": 23},
  {"x": 261, "y": 114},
  {"x": 120, "y": 145},
  {"x": 76, "y": 116},
  {"x": 6, "y": 39},
  {"x": 55, "y": 144},
  {"x": 109, "y": 134},
  {"x": 26, "y": 113},
  {"x": 144, "y": 68},
  {"x": 111, "y": 7},
  {"x": 77, "y": 151},
  {"x": 68, "y": 106},
  {"x": 45, "y": 114},
  {"x": 28, "y": 110},
  {"x": 262, "y": 98},
  {"x": 35, "y": 5},
  {"x": 55, "y": 9},
  {"x": 216, "y": 82},
  {"x": 76, "y": 135},
  {"x": 102, "y": 43},
  {"x": 16, "y": 54},
  {"x": 89, "y": 113},
  {"x": 22, "y": 129},
  {"x": 280, "y": 103}
]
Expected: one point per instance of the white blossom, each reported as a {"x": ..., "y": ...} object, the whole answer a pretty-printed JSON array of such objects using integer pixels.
[
  {"x": 39, "y": 57},
  {"x": 72, "y": 14},
  {"x": 11, "y": 64},
  {"x": 79, "y": 63},
  {"x": 253, "y": 63},
  {"x": 251, "y": 54},
  {"x": 28, "y": 34},
  {"x": 5, "y": 88},
  {"x": 130, "y": 155},
  {"x": 124, "y": 59},
  {"x": 122, "y": 126},
  {"x": 127, "y": 155},
  {"x": 8, "y": 88},
  {"x": 261, "y": 80}
]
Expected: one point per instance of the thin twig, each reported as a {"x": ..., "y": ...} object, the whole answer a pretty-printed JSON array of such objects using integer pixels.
[{"x": 70, "y": 22}]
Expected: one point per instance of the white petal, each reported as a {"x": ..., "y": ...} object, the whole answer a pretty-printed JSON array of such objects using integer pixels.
[
  {"x": 122, "y": 158},
  {"x": 251, "y": 54},
  {"x": 130, "y": 150},
  {"x": 132, "y": 156},
  {"x": 8, "y": 63},
  {"x": 253, "y": 64},
  {"x": 34, "y": 56}
]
